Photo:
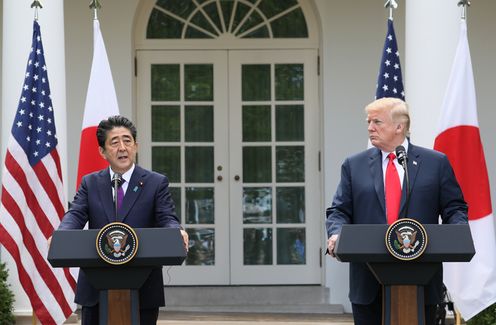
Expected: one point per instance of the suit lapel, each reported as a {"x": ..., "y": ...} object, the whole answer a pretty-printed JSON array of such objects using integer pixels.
[
  {"x": 375, "y": 166},
  {"x": 105, "y": 191},
  {"x": 133, "y": 191}
]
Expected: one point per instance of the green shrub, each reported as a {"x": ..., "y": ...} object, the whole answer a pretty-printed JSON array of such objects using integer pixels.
[
  {"x": 485, "y": 317},
  {"x": 6, "y": 298}
]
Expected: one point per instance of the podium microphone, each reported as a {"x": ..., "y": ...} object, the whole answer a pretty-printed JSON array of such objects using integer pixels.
[
  {"x": 403, "y": 160},
  {"x": 116, "y": 182}
]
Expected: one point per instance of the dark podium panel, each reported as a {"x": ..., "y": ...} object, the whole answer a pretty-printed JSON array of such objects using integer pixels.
[
  {"x": 403, "y": 281},
  {"x": 118, "y": 284}
]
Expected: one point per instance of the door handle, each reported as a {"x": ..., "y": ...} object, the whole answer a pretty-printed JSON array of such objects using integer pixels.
[{"x": 237, "y": 178}]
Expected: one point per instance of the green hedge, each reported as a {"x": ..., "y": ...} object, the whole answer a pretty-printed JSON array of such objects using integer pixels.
[
  {"x": 485, "y": 317},
  {"x": 6, "y": 298}
]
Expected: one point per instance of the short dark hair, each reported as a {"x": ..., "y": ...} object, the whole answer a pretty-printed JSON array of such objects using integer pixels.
[{"x": 113, "y": 122}]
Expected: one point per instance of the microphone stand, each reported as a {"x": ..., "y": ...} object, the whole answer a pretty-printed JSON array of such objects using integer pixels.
[
  {"x": 116, "y": 180},
  {"x": 407, "y": 179}
]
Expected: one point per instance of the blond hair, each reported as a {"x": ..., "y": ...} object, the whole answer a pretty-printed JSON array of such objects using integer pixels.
[{"x": 396, "y": 107}]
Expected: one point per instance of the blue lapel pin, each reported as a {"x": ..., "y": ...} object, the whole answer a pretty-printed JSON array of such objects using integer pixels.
[{"x": 135, "y": 189}]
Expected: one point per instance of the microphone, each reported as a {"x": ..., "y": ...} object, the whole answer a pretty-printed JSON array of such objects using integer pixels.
[
  {"x": 116, "y": 182},
  {"x": 403, "y": 160}
]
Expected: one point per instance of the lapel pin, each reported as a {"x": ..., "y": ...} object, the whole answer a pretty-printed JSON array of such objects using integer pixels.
[
  {"x": 135, "y": 189},
  {"x": 141, "y": 183},
  {"x": 415, "y": 163}
]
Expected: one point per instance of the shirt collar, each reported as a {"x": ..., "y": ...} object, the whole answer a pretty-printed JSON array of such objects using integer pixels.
[
  {"x": 386, "y": 154},
  {"x": 126, "y": 176}
]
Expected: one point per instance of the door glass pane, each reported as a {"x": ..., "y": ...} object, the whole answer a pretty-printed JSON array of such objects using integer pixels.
[
  {"x": 198, "y": 82},
  {"x": 166, "y": 123},
  {"x": 192, "y": 32},
  {"x": 161, "y": 25},
  {"x": 290, "y": 163},
  {"x": 257, "y": 246},
  {"x": 256, "y": 123},
  {"x": 201, "y": 21},
  {"x": 274, "y": 7},
  {"x": 291, "y": 246},
  {"x": 251, "y": 22},
  {"x": 165, "y": 82},
  {"x": 167, "y": 161},
  {"x": 241, "y": 11},
  {"x": 262, "y": 32},
  {"x": 289, "y": 123},
  {"x": 200, "y": 205},
  {"x": 257, "y": 205},
  {"x": 257, "y": 164},
  {"x": 201, "y": 246},
  {"x": 199, "y": 123},
  {"x": 290, "y": 204},
  {"x": 180, "y": 8},
  {"x": 292, "y": 25},
  {"x": 289, "y": 81},
  {"x": 213, "y": 13},
  {"x": 255, "y": 81},
  {"x": 176, "y": 197},
  {"x": 199, "y": 165}
]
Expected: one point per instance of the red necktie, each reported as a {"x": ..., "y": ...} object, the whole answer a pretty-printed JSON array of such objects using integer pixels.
[{"x": 393, "y": 191}]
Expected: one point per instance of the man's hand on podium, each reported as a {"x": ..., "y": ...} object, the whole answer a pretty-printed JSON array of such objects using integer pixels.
[
  {"x": 185, "y": 239},
  {"x": 331, "y": 243}
]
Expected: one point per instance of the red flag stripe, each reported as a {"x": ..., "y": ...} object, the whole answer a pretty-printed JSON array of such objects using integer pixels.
[
  {"x": 469, "y": 165},
  {"x": 42, "y": 267},
  {"x": 49, "y": 188},
  {"x": 56, "y": 159},
  {"x": 41, "y": 312},
  {"x": 20, "y": 177}
]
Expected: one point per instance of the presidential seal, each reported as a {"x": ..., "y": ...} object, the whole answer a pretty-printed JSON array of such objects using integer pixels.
[
  {"x": 406, "y": 239},
  {"x": 116, "y": 243}
]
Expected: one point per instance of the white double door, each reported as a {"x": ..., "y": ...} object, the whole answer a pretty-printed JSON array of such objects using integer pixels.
[{"x": 237, "y": 133}]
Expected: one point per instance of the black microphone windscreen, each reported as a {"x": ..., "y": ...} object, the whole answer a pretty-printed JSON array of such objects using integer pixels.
[
  {"x": 117, "y": 178},
  {"x": 401, "y": 154}
]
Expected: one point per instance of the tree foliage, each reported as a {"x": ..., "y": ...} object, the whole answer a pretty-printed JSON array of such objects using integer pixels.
[{"x": 6, "y": 298}]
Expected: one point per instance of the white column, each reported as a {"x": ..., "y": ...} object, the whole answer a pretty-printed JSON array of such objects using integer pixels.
[
  {"x": 17, "y": 35},
  {"x": 431, "y": 36}
]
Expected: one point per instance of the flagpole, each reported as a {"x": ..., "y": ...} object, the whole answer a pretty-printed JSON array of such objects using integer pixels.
[{"x": 36, "y": 5}]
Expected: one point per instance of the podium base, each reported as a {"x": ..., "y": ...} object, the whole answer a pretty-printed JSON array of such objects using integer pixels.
[
  {"x": 403, "y": 305},
  {"x": 119, "y": 307}
]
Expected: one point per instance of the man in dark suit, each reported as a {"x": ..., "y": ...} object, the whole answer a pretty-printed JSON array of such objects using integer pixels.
[
  {"x": 147, "y": 203},
  {"x": 361, "y": 199}
]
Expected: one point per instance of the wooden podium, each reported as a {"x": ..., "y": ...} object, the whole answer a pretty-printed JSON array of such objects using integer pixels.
[
  {"x": 403, "y": 281},
  {"x": 118, "y": 284}
]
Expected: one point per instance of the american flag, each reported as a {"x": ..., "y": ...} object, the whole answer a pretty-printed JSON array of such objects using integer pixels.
[
  {"x": 389, "y": 81},
  {"x": 32, "y": 202}
]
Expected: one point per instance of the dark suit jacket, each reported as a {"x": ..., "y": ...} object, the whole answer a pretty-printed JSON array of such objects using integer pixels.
[
  {"x": 360, "y": 199},
  {"x": 147, "y": 204}
]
